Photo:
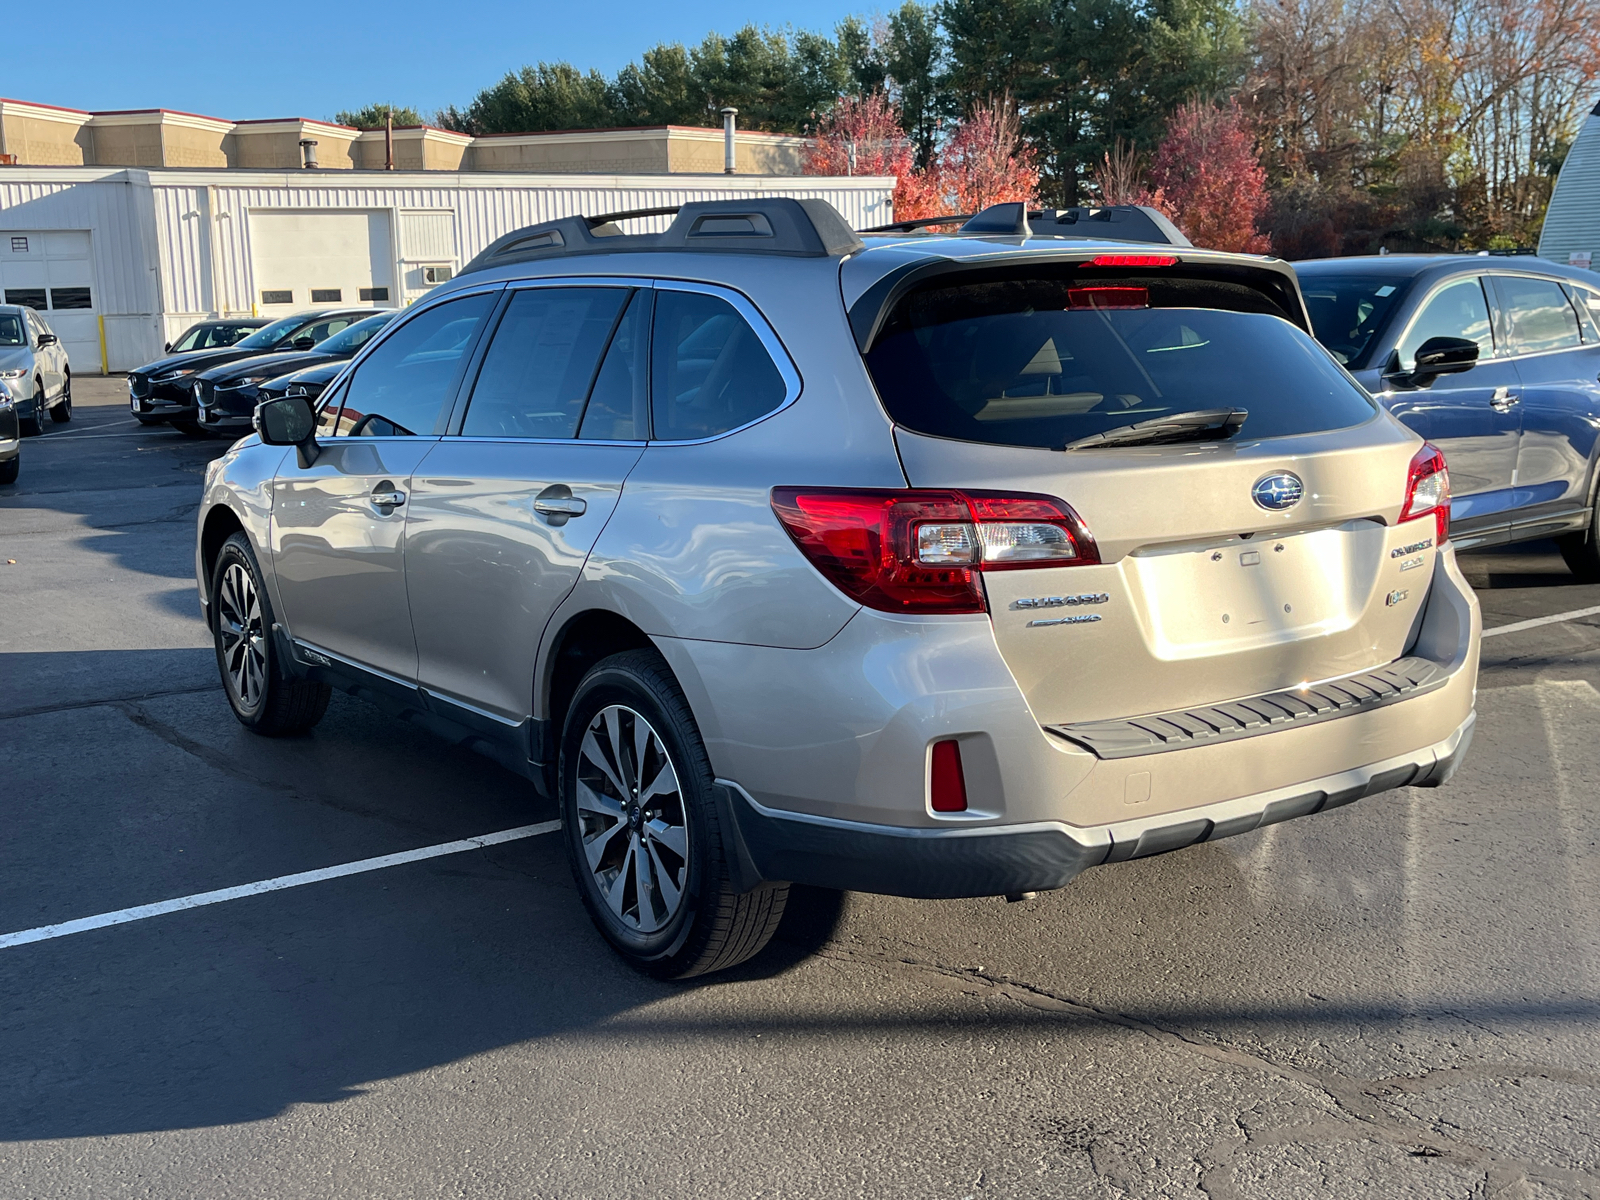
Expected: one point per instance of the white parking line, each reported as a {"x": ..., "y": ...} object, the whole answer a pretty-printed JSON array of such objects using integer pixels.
[
  {"x": 1554, "y": 619},
  {"x": 83, "y": 924}
]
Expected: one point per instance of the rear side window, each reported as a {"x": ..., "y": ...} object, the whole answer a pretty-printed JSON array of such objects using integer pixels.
[
  {"x": 1456, "y": 310},
  {"x": 709, "y": 372},
  {"x": 617, "y": 406},
  {"x": 405, "y": 383},
  {"x": 1538, "y": 316},
  {"x": 1040, "y": 362},
  {"x": 537, "y": 372}
]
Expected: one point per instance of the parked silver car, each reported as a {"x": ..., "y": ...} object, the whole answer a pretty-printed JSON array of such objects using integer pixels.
[
  {"x": 33, "y": 365},
  {"x": 10, "y": 436},
  {"x": 932, "y": 566}
]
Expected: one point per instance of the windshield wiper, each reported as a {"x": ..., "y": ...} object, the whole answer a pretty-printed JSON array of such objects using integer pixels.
[{"x": 1203, "y": 425}]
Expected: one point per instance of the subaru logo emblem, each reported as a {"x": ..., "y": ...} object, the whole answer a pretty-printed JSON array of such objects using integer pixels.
[{"x": 1278, "y": 491}]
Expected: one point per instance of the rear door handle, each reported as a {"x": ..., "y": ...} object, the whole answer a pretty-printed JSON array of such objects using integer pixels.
[
  {"x": 558, "y": 505},
  {"x": 386, "y": 497}
]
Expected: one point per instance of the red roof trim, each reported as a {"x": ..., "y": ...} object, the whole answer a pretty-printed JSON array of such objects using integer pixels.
[
  {"x": 53, "y": 107},
  {"x": 641, "y": 129}
]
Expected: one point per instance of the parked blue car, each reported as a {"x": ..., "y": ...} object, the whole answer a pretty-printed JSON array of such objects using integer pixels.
[{"x": 1494, "y": 360}]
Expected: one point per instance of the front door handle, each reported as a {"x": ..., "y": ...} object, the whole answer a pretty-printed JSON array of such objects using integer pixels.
[
  {"x": 386, "y": 497},
  {"x": 558, "y": 505},
  {"x": 1504, "y": 400}
]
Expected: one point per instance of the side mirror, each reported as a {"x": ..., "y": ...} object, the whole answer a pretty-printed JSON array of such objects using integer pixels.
[
  {"x": 304, "y": 342},
  {"x": 1443, "y": 356},
  {"x": 289, "y": 421},
  {"x": 46, "y": 339},
  {"x": 169, "y": 348}
]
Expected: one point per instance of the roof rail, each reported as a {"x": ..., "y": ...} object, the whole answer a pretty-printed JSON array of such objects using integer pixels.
[
  {"x": 766, "y": 225},
  {"x": 1112, "y": 222}
]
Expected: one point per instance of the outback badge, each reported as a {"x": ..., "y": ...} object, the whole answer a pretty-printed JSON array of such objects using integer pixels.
[
  {"x": 1396, "y": 596},
  {"x": 1278, "y": 491}
]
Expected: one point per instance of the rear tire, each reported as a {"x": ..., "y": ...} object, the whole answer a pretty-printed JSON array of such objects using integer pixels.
[
  {"x": 62, "y": 412},
  {"x": 642, "y": 829},
  {"x": 1582, "y": 550},
  {"x": 266, "y": 700}
]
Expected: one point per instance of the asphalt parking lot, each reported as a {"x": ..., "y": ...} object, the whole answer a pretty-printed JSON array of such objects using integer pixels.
[{"x": 1400, "y": 998}]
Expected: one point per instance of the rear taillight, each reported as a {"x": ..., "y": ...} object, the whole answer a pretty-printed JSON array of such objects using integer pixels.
[
  {"x": 921, "y": 551},
  {"x": 1134, "y": 260},
  {"x": 1428, "y": 491}
]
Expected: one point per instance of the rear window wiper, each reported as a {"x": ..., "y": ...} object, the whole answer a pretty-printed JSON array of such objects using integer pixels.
[{"x": 1203, "y": 425}]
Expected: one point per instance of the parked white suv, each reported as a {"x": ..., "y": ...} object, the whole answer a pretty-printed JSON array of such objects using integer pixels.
[
  {"x": 34, "y": 367},
  {"x": 933, "y": 566}
]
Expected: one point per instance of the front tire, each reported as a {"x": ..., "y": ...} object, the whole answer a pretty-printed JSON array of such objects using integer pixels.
[
  {"x": 266, "y": 700},
  {"x": 642, "y": 829},
  {"x": 10, "y": 469},
  {"x": 188, "y": 427},
  {"x": 34, "y": 426},
  {"x": 62, "y": 412}
]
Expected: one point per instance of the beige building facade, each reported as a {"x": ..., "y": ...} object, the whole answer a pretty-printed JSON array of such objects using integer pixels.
[{"x": 43, "y": 135}]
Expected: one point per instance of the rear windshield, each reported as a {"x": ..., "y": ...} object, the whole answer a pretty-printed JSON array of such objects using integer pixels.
[
  {"x": 1348, "y": 312},
  {"x": 1034, "y": 362}
]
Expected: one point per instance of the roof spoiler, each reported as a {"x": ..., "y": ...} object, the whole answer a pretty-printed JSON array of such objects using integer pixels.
[
  {"x": 768, "y": 225},
  {"x": 1113, "y": 222}
]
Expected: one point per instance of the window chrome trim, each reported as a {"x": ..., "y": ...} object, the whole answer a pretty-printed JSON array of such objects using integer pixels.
[
  {"x": 1491, "y": 303},
  {"x": 759, "y": 325}
]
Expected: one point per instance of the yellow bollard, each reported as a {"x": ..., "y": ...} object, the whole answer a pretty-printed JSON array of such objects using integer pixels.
[{"x": 105, "y": 365}]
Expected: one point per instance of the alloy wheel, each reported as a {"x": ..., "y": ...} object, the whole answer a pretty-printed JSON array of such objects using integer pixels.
[
  {"x": 244, "y": 647},
  {"x": 633, "y": 823}
]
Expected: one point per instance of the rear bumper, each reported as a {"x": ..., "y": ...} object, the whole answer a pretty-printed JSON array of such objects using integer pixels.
[{"x": 937, "y": 864}]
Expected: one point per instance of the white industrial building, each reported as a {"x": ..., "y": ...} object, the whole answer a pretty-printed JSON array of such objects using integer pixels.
[{"x": 123, "y": 259}]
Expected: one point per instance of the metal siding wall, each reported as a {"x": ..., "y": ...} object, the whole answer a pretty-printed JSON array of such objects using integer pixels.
[
  {"x": 183, "y": 264},
  {"x": 1572, "y": 222}
]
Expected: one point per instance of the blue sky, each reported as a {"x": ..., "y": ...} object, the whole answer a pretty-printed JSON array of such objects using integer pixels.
[{"x": 298, "y": 59}]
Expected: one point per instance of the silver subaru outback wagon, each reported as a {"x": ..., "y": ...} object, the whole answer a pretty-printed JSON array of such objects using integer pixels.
[{"x": 934, "y": 566}]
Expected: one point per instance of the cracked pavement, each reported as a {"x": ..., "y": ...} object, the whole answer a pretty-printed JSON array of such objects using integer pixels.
[{"x": 1398, "y": 998}]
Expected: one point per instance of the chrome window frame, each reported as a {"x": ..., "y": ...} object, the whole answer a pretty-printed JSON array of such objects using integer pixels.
[{"x": 464, "y": 398}]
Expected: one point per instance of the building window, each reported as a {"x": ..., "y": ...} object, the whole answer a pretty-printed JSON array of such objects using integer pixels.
[
  {"x": 431, "y": 275},
  {"x": 374, "y": 293},
  {"x": 327, "y": 295},
  {"x": 277, "y": 297},
  {"x": 32, "y": 297},
  {"x": 19, "y": 245},
  {"x": 70, "y": 297}
]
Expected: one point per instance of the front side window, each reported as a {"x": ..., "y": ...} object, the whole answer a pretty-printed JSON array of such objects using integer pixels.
[
  {"x": 1456, "y": 310},
  {"x": 1538, "y": 316},
  {"x": 353, "y": 337},
  {"x": 321, "y": 331},
  {"x": 404, "y": 385},
  {"x": 1033, "y": 361},
  {"x": 269, "y": 336},
  {"x": 709, "y": 372},
  {"x": 538, "y": 370}
]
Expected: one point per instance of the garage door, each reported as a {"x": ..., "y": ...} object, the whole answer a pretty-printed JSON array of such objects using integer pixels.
[
  {"x": 52, "y": 272},
  {"x": 317, "y": 259}
]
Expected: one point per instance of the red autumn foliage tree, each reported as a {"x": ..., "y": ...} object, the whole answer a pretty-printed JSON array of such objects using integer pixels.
[
  {"x": 862, "y": 136},
  {"x": 1211, "y": 179},
  {"x": 986, "y": 161}
]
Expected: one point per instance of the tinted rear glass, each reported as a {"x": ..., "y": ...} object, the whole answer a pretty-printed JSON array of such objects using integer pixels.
[
  {"x": 1011, "y": 363},
  {"x": 1349, "y": 311}
]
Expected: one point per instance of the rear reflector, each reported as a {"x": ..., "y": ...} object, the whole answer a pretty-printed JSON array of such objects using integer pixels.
[
  {"x": 1428, "y": 491},
  {"x": 1108, "y": 297},
  {"x": 947, "y": 788},
  {"x": 919, "y": 551},
  {"x": 1134, "y": 260}
]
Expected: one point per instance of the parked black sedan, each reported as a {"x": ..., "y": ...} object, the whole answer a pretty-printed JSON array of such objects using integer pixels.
[
  {"x": 1495, "y": 361},
  {"x": 161, "y": 391},
  {"x": 227, "y": 395},
  {"x": 215, "y": 335}
]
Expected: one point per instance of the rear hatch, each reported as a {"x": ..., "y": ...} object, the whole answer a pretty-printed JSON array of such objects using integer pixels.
[{"x": 1267, "y": 554}]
